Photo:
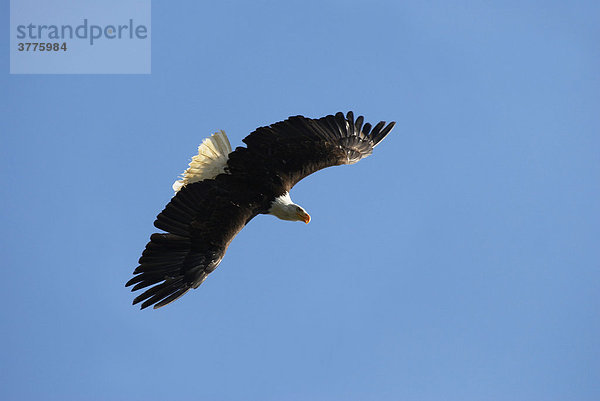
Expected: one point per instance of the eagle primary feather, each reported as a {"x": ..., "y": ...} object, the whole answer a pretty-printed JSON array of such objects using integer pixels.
[{"x": 222, "y": 191}]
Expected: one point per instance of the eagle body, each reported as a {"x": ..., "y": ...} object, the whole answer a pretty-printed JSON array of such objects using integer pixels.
[{"x": 223, "y": 190}]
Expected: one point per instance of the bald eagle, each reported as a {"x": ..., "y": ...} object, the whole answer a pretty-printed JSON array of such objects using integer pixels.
[{"x": 222, "y": 190}]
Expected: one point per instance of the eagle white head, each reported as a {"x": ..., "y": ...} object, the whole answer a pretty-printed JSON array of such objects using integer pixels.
[{"x": 283, "y": 208}]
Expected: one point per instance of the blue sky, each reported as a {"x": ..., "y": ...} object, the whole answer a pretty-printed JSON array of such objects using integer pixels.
[{"x": 459, "y": 262}]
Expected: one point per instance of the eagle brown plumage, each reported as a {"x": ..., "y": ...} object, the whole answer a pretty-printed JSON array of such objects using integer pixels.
[{"x": 207, "y": 212}]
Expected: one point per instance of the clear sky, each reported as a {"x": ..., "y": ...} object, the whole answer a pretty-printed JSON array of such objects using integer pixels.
[{"x": 460, "y": 262}]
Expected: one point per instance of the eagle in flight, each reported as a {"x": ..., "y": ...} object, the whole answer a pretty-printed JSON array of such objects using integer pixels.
[{"x": 222, "y": 190}]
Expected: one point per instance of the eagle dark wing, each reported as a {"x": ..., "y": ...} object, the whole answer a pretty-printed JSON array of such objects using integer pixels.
[
  {"x": 201, "y": 221},
  {"x": 300, "y": 146}
]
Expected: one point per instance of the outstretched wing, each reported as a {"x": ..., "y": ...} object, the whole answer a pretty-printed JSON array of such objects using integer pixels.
[
  {"x": 300, "y": 146},
  {"x": 200, "y": 221}
]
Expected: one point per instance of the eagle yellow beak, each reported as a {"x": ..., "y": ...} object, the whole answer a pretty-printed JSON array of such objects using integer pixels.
[{"x": 305, "y": 217}]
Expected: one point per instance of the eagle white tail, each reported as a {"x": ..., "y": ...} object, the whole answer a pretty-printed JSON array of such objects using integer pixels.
[{"x": 210, "y": 161}]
